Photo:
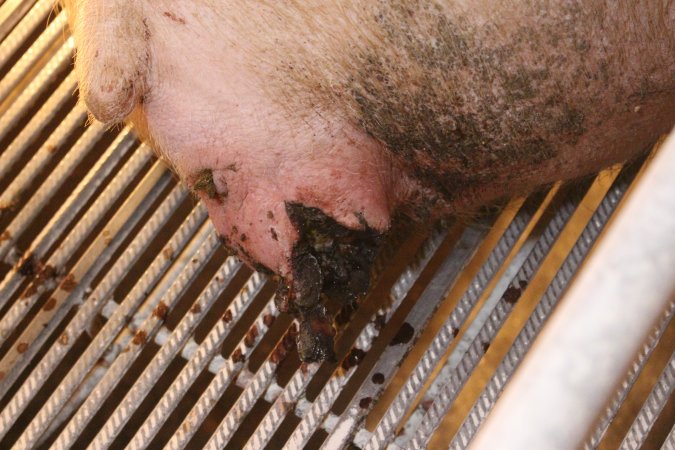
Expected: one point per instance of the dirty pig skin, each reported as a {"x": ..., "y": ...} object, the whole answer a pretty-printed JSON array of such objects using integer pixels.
[{"x": 305, "y": 126}]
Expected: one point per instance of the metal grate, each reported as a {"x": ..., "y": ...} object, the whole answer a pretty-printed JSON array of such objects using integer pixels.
[{"x": 122, "y": 322}]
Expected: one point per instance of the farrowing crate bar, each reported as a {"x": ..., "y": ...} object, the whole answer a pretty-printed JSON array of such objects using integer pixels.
[{"x": 123, "y": 323}]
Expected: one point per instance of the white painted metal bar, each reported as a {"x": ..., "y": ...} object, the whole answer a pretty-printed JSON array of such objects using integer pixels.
[
  {"x": 669, "y": 443},
  {"x": 199, "y": 360},
  {"x": 11, "y": 41},
  {"x": 28, "y": 98},
  {"x": 32, "y": 129},
  {"x": 168, "y": 351},
  {"x": 293, "y": 393},
  {"x": 652, "y": 407},
  {"x": 530, "y": 330},
  {"x": 149, "y": 319},
  {"x": 50, "y": 316},
  {"x": 565, "y": 380},
  {"x": 133, "y": 300},
  {"x": 629, "y": 381},
  {"x": 36, "y": 51}
]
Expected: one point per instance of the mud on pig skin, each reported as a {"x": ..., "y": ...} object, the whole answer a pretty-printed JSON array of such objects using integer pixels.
[{"x": 360, "y": 109}]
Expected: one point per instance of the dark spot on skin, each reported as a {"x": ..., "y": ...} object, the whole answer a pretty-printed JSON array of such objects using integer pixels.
[
  {"x": 196, "y": 309},
  {"x": 227, "y": 245},
  {"x": 174, "y": 17},
  {"x": 235, "y": 230},
  {"x": 227, "y": 317},
  {"x": 365, "y": 402},
  {"x": 249, "y": 339},
  {"x": 511, "y": 295},
  {"x": 160, "y": 310},
  {"x": 270, "y": 215},
  {"x": 232, "y": 167},
  {"x": 146, "y": 34},
  {"x": 64, "y": 339},
  {"x": 68, "y": 284},
  {"x": 404, "y": 334},
  {"x": 268, "y": 320},
  {"x": 242, "y": 237},
  {"x": 49, "y": 304},
  {"x": 238, "y": 356},
  {"x": 139, "y": 337},
  {"x": 353, "y": 359},
  {"x": 22, "y": 347},
  {"x": 378, "y": 378},
  {"x": 273, "y": 232}
]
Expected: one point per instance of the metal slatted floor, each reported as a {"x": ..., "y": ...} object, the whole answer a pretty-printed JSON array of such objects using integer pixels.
[{"x": 122, "y": 322}]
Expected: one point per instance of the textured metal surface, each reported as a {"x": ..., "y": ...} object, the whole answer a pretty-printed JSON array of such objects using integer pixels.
[{"x": 124, "y": 324}]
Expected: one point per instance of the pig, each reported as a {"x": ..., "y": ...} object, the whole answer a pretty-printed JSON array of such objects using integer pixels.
[{"x": 306, "y": 126}]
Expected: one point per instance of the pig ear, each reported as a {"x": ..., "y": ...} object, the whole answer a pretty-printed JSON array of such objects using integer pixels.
[{"x": 113, "y": 58}]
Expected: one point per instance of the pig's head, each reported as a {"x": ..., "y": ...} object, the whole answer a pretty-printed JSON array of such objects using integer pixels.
[{"x": 301, "y": 194}]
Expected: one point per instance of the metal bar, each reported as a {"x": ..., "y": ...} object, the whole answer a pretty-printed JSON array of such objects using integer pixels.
[
  {"x": 630, "y": 281},
  {"x": 230, "y": 369},
  {"x": 11, "y": 13},
  {"x": 530, "y": 257},
  {"x": 51, "y": 315},
  {"x": 178, "y": 338},
  {"x": 535, "y": 322},
  {"x": 32, "y": 129},
  {"x": 199, "y": 360},
  {"x": 630, "y": 379},
  {"x": 27, "y": 99},
  {"x": 38, "y": 200},
  {"x": 149, "y": 326},
  {"x": 293, "y": 393},
  {"x": 658, "y": 397},
  {"x": 29, "y": 59},
  {"x": 669, "y": 443},
  {"x": 94, "y": 351}
]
